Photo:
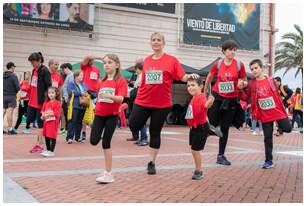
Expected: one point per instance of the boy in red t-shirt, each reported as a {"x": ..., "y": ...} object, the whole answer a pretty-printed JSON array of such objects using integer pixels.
[
  {"x": 266, "y": 107},
  {"x": 196, "y": 117}
]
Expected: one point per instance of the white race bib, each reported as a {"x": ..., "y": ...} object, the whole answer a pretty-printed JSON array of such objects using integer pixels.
[
  {"x": 93, "y": 75},
  {"x": 154, "y": 77},
  {"x": 189, "y": 113},
  {"x": 266, "y": 103},
  {"x": 34, "y": 81},
  {"x": 50, "y": 118},
  {"x": 55, "y": 84},
  {"x": 23, "y": 94},
  {"x": 226, "y": 87},
  {"x": 106, "y": 90}
]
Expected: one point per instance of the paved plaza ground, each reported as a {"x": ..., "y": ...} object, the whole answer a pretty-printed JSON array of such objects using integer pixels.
[{"x": 70, "y": 175}]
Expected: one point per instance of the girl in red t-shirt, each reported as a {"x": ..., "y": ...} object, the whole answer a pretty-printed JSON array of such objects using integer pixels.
[
  {"x": 50, "y": 113},
  {"x": 196, "y": 117},
  {"x": 24, "y": 94},
  {"x": 226, "y": 109},
  {"x": 112, "y": 91},
  {"x": 154, "y": 98},
  {"x": 266, "y": 106}
]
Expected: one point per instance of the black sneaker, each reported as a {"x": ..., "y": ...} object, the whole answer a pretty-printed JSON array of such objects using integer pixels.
[
  {"x": 83, "y": 136},
  {"x": 12, "y": 132},
  {"x": 197, "y": 175},
  {"x": 137, "y": 142},
  {"x": 151, "y": 168},
  {"x": 221, "y": 159}
]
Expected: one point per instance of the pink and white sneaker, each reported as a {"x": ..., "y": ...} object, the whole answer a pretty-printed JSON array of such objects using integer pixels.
[{"x": 36, "y": 148}]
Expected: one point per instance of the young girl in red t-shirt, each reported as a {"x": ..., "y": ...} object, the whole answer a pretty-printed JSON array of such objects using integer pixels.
[
  {"x": 50, "y": 114},
  {"x": 196, "y": 117},
  {"x": 112, "y": 91},
  {"x": 266, "y": 107}
]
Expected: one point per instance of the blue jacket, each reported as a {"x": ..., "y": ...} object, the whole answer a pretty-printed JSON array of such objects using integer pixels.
[{"x": 72, "y": 86}]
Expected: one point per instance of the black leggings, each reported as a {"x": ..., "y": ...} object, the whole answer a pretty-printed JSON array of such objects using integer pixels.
[
  {"x": 283, "y": 124},
  {"x": 139, "y": 117},
  {"x": 222, "y": 118},
  {"x": 108, "y": 124},
  {"x": 50, "y": 143},
  {"x": 21, "y": 111}
]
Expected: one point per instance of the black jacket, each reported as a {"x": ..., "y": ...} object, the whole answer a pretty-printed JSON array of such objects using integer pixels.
[
  {"x": 287, "y": 95},
  {"x": 43, "y": 83},
  {"x": 10, "y": 83}
]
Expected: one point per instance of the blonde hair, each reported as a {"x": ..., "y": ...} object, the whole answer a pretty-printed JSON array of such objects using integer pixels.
[
  {"x": 28, "y": 75},
  {"x": 114, "y": 58},
  {"x": 160, "y": 35}
]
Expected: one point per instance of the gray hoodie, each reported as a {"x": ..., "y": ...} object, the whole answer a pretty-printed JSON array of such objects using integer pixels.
[{"x": 10, "y": 83}]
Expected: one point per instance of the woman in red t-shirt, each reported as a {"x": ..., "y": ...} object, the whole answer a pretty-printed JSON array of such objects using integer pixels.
[
  {"x": 226, "y": 107},
  {"x": 24, "y": 98},
  {"x": 50, "y": 113},
  {"x": 112, "y": 91},
  {"x": 266, "y": 106},
  {"x": 154, "y": 94},
  {"x": 40, "y": 82}
]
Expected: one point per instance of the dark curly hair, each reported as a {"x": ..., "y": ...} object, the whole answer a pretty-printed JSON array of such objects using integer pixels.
[{"x": 51, "y": 14}]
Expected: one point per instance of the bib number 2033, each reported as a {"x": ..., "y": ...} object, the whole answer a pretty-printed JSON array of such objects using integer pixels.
[{"x": 226, "y": 87}]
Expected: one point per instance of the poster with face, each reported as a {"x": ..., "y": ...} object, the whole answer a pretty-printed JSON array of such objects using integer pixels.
[{"x": 75, "y": 16}]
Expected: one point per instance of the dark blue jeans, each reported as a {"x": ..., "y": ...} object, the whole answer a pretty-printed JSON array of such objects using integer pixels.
[
  {"x": 143, "y": 134},
  {"x": 75, "y": 124}
]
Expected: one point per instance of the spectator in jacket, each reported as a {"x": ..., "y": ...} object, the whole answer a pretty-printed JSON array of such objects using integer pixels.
[
  {"x": 76, "y": 89},
  {"x": 10, "y": 89}
]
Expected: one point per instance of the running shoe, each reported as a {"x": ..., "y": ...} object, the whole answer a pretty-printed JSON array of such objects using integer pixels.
[
  {"x": 11, "y": 132},
  {"x": 197, "y": 175},
  {"x": 151, "y": 168},
  {"x": 26, "y": 131},
  {"x": 105, "y": 178},
  {"x": 216, "y": 130},
  {"x": 69, "y": 141},
  {"x": 221, "y": 159},
  {"x": 36, "y": 148},
  {"x": 143, "y": 143},
  {"x": 267, "y": 164}
]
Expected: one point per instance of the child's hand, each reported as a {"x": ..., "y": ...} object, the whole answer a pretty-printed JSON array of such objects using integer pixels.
[
  {"x": 242, "y": 84},
  {"x": 209, "y": 101}
]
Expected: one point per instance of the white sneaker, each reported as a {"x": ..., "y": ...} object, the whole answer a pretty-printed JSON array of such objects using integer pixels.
[
  {"x": 50, "y": 154},
  {"x": 45, "y": 153},
  {"x": 261, "y": 133},
  {"x": 254, "y": 133},
  {"x": 106, "y": 177}
]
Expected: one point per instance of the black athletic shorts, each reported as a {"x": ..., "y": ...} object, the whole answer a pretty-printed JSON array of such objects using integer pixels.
[
  {"x": 9, "y": 101},
  {"x": 198, "y": 136}
]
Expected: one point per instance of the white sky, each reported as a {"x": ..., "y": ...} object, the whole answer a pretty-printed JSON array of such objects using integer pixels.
[{"x": 287, "y": 14}]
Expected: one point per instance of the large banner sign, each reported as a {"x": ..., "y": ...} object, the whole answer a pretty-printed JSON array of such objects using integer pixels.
[
  {"x": 160, "y": 7},
  {"x": 212, "y": 24},
  {"x": 73, "y": 16}
]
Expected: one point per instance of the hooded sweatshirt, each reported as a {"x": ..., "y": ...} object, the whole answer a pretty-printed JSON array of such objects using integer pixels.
[{"x": 10, "y": 83}]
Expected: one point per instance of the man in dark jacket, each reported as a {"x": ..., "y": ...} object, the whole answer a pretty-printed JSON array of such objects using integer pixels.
[
  {"x": 10, "y": 89},
  {"x": 285, "y": 93}
]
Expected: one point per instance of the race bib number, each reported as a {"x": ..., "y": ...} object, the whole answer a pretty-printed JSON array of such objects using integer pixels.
[
  {"x": 154, "y": 77},
  {"x": 50, "y": 115},
  {"x": 34, "y": 81},
  {"x": 189, "y": 113},
  {"x": 93, "y": 75},
  {"x": 106, "y": 90},
  {"x": 266, "y": 103},
  {"x": 55, "y": 84},
  {"x": 23, "y": 94},
  {"x": 226, "y": 87}
]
